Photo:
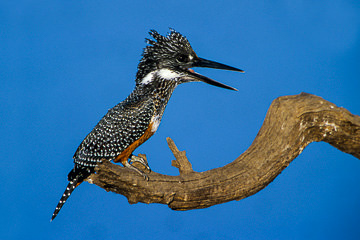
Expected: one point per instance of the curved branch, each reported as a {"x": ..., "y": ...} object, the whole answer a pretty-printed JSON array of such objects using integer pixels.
[{"x": 292, "y": 122}]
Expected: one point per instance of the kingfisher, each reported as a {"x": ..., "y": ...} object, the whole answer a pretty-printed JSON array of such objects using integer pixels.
[{"x": 166, "y": 62}]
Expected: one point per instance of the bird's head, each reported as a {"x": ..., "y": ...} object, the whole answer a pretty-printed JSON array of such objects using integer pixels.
[{"x": 171, "y": 57}]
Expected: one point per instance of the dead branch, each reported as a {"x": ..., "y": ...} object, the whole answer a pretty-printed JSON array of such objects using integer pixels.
[{"x": 292, "y": 122}]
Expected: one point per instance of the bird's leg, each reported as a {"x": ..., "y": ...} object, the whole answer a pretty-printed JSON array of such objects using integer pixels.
[
  {"x": 141, "y": 160},
  {"x": 128, "y": 165}
]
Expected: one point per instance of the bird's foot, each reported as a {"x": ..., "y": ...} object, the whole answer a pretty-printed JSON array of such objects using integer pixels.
[
  {"x": 142, "y": 161},
  {"x": 128, "y": 165}
]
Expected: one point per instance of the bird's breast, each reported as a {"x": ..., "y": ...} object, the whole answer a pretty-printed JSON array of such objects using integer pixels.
[{"x": 155, "y": 122}]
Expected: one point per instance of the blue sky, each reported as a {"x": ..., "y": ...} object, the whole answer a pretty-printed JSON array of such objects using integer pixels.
[{"x": 63, "y": 64}]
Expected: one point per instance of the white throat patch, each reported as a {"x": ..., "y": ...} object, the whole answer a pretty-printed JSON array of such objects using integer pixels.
[
  {"x": 168, "y": 74},
  {"x": 148, "y": 78},
  {"x": 165, "y": 73}
]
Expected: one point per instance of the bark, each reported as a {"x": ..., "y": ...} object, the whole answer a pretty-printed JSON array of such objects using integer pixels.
[{"x": 291, "y": 123}]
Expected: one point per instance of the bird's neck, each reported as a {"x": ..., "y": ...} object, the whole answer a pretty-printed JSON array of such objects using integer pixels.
[{"x": 158, "y": 92}]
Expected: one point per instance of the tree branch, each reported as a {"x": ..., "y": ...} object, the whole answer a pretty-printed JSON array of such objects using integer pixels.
[{"x": 292, "y": 122}]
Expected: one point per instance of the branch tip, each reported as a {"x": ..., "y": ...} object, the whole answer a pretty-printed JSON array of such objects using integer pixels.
[{"x": 181, "y": 162}]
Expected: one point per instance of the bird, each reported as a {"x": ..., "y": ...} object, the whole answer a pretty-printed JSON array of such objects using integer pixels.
[{"x": 166, "y": 62}]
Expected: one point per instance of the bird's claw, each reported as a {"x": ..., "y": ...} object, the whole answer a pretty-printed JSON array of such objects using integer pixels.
[
  {"x": 140, "y": 160},
  {"x": 143, "y": 162}
]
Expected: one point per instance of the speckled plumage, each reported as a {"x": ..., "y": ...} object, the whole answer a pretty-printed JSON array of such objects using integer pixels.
[
  {"x": 121, "y": 126},
  {"x": 165, "y": 64}
]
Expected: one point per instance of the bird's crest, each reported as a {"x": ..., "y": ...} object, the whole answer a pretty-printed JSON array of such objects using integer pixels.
[{"x": 174, "y": 42}]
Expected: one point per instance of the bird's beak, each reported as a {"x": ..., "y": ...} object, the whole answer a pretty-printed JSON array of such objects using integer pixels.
[{"x": 200, "y": 62}]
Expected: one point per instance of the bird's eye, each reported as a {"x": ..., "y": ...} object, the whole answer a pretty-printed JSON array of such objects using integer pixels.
[{"x": 182, "y": 58}]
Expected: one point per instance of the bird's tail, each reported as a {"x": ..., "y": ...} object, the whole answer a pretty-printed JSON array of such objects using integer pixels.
[
  {"x": 69, "y": 189},
  {"x": 75, "y": 178}
]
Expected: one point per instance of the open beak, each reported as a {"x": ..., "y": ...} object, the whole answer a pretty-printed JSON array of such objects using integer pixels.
[{"x": 200, "y": 62}]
